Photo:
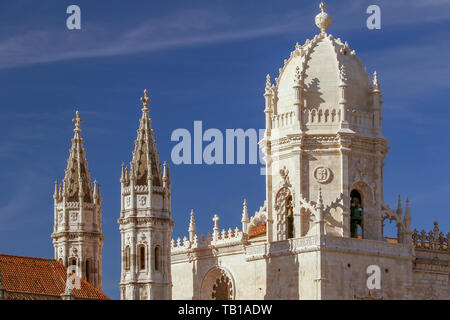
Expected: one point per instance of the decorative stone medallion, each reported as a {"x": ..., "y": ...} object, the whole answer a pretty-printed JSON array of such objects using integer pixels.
[
  {"x": 142, "y": 201},
  {"x": 323, "y": 174},
  {"x": 73, "y": 216}
]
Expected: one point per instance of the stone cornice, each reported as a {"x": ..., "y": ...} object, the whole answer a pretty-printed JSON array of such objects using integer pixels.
[{"x": 77, "y": 234}]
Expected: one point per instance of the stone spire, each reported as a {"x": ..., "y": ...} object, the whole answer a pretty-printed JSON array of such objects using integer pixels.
[
  {"x": 145, "y": 164},
  {"x": 268, "y": 94},
  {"x": 216, "y": 229},
  {"x": 192, "y": 229},
  {"x": 145, "y": 196},
  {"x": 166, "y": 175},
  {"x": 77, "y": 183},
  {"x": 77, "y": 233},
  {"x": 320, "y": 213},
  {"x": 407, "y": 237},
  {"x": 244, "y": 219},
  {"x": 323, "y": 20}
]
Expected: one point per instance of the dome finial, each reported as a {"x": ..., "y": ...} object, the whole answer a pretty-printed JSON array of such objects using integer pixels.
[{"x": 323, "y": 20}]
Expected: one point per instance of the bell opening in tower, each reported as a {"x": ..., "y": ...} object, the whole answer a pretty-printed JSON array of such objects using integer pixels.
[{"x": 356, "y": 214}]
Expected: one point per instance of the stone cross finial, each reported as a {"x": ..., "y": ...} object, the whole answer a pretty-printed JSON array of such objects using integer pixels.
[
  {"x": 145, "y": 99},
  {"x": 322, "y": 6},
  {"x": 216, "y": 221}
]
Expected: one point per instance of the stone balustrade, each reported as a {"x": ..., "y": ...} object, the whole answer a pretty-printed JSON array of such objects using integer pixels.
[{"x": 433, "y": 240}]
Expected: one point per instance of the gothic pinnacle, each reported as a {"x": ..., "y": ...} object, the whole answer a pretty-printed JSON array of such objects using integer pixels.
[
  {"x": 376, "y": 83},
  {"x": 407, "y": 211},
  {"x": 244, "y": 212},
  {"x": 399, "y": 207},
  {"x": 268, "y": 85},
  {"x": 55, "y": 194},
  {"x": 320, "y": 198},
  {"x": 122, "y": 175}
]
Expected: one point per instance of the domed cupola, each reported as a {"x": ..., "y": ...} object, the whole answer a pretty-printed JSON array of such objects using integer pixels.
[{"x": 324, "y": 87}]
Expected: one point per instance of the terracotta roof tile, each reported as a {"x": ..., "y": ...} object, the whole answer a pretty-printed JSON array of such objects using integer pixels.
[
  {"x": 42, "y": 277},
  {"x": 257, "y": 230}
]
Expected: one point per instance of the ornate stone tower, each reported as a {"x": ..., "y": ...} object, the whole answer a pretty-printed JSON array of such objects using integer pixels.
[
  {"x": 77, "y": 234},
  {"x": 323, "y": 143},
  {"x": 145, "y": 219}
]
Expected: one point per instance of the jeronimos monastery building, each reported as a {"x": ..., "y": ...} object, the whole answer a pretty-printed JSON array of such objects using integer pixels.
[{"x": 319, "y": 232}]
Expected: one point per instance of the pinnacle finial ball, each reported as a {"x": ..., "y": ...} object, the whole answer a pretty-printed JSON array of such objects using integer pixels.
[{"x": 323, "y": 20}]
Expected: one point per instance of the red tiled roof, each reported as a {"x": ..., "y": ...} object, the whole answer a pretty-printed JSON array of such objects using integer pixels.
[
  {"x": 41, "y": 276},
  {"x": 388, "y": 239},
  {"x": 257, "y": 230}
]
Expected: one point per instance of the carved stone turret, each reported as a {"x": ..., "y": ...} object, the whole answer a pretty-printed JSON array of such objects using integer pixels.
[
  {"x": 145, "y": 221},
  {"x": 77, "y": 233}
]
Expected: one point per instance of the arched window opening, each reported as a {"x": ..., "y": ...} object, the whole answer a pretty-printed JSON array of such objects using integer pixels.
[
  {"x": 60, "y": 260},
  {"x": 142, "y": 258},
  {"x": 356, "y": 214},
  {"x": 157, "y": 258},
  {"x": 289, "y": 218},
  {"x": 127, "y": 258},
  {"x": 73, "y": 262}
]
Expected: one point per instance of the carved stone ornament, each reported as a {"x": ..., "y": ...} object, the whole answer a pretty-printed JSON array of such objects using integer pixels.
[
  {"x": 74, "y": 251},
  {"x": 360, "y": 172},
  {"x": 323, "y": 174},
  {"x": 143, "y": 200},
  {"x": 142, "y": 238},
  {"x": 284, "y": 173},
  {"x": 73, "y": 216}
]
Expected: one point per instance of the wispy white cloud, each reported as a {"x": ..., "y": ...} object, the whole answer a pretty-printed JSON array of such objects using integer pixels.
[
  {"x": 182, "y": 29},
  {"x": 197, "y": 27}
]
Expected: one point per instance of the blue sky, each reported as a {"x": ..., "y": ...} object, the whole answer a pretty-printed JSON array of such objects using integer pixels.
[{"x": 201, "y": 60}]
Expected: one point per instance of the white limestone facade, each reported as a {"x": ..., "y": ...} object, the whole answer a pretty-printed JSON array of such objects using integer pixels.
[
  {"x": 77, "y": 232},
  {"x": 145, "y": 219},
  {"x": 321, "y": 225}
]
